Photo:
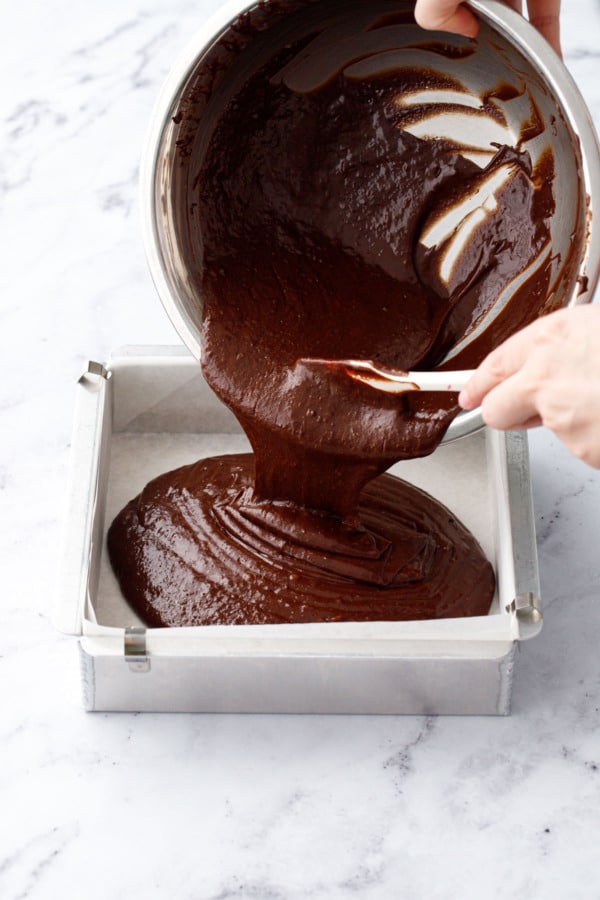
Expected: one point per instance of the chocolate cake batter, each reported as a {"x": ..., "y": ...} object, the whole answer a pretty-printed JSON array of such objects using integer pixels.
[{"x": 319, "y": 225}]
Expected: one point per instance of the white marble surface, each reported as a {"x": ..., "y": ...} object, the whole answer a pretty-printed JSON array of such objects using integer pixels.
[{"x": 166, "y": 806}]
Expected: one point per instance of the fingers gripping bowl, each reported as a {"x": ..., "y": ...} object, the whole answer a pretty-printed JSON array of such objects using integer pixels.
[{"x": 503, "y": 108}]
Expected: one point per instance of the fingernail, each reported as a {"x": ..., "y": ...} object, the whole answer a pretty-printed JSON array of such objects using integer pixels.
[{"x": 464, "y": 400}]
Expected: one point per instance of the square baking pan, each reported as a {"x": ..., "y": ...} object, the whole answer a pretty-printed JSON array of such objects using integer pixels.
[{"x": 148, "y": 410}]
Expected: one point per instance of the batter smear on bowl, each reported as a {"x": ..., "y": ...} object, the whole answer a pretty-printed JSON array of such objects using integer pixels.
[{"x": 325, "y": 214}]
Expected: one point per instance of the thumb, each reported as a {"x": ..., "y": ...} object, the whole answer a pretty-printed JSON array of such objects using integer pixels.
[{"x": 446, "y": 15}]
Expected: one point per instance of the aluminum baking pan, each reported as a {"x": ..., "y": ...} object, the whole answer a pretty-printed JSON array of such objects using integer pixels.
[{"x": 149, "y": 409}]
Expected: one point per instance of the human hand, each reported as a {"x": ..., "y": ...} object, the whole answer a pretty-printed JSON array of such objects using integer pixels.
[
  {"x": 547, "y": 374},
  {"x": 451, "y": 15}
]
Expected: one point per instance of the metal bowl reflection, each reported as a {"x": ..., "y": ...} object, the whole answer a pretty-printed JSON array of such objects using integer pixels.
[{"x": 508, "y": 51}]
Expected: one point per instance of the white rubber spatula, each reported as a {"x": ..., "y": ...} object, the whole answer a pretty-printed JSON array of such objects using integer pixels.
[{"x": 392, "y": 381}]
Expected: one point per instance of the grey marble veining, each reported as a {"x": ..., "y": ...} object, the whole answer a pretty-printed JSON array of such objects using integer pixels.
[{"x": 216, "y": 807}]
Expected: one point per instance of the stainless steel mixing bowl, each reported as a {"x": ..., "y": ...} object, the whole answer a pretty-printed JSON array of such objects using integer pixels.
[{"x": 508, "y": 49}]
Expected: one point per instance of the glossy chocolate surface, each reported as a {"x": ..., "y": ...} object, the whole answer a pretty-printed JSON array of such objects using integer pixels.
[
  {"x": 196, "y": 548},
  {"x": 320, "y": 225}
]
